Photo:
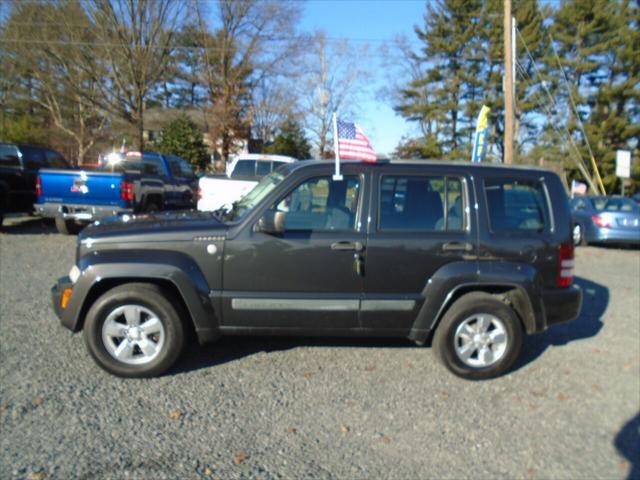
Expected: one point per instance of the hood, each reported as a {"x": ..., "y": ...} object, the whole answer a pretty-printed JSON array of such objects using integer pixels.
[{"x": 162, "y": 226}]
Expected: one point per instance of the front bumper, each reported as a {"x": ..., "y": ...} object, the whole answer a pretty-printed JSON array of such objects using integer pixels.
[
  {"x": 82, "y": 213},
  {"x": 562, "y": 305},
  {"x": 66, "y": 315}
]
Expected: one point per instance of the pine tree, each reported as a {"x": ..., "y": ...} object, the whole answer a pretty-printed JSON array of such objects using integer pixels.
[
  {"x": 450, "y": 38},
  {"x": 598, "y": 47},
  {"x": 183, "y": 138},
  {"x": 290, "y": 141}
]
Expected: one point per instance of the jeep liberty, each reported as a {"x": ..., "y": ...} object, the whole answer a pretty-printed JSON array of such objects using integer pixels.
[{"x": 471, "y": 257}]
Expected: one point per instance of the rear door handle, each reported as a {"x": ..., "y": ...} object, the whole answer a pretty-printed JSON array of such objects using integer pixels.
[
  {"x": 457, "y": 247},
  {"x": 350, "y": 246}
]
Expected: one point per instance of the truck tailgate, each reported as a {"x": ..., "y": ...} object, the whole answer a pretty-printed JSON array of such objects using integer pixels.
[{"x": 80, "y": 187}]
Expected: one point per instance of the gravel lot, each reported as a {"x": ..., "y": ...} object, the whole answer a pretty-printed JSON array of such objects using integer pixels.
[{"x": 291, "y": 408}]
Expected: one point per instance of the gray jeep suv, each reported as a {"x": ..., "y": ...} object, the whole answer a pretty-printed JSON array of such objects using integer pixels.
[{"x": 476, "y": 256}]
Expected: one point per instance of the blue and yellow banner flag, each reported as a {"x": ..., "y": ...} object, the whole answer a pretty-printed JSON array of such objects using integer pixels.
[{"x": 480, "y": 141}]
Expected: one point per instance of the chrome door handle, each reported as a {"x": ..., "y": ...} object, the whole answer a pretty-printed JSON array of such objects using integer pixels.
[
  {"x": 347, "y": 246},
  {"x": 457, "y": 247}
]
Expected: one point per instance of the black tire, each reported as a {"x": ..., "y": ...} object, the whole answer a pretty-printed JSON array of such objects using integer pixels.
[
  {"x": 464, "y": 308},
  {"x": 67, "y": 227},
  {"x": 151, "y": 206},
  {"x": 152, "y": 298}
]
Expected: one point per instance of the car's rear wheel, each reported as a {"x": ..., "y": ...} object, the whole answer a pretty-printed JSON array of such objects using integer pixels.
[
  {"x": 479, "y": 337},
  {"x": 134, "y": 330},
  {"x": 578, "y": 235},
  {"x": 67, "y": 227}
]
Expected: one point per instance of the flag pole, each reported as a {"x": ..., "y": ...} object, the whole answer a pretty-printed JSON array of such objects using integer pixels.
[{"x": 337, "y": 176}]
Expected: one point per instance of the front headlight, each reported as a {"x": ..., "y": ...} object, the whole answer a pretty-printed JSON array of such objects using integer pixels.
[{"x": 74, "y": 274}]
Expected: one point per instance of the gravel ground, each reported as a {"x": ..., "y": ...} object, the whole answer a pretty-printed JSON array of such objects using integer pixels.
[{"x": 291, "y": 408}]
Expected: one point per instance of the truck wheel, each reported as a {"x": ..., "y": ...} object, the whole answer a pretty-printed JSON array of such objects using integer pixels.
[
  {"x": 479, "y": 337},
  {"x": 134, "y": 330},
  {"x": 67, "y": 227}
]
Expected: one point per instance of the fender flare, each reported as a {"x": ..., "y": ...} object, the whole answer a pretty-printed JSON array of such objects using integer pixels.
[
  {"x": 519, "y": 282},
  {"x": 106, "y": 267}
]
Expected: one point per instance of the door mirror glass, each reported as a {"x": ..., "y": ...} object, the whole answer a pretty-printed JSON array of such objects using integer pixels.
[{"x": 272, "y": 222}]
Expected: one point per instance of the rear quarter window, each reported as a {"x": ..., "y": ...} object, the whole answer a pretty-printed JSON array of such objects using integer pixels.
[{"x": 516, "y": 205}]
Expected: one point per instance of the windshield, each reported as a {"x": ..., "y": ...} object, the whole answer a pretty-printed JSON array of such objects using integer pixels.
[
  {"x": 608, "y": 204},
  {"x": 251, "y": 199}
]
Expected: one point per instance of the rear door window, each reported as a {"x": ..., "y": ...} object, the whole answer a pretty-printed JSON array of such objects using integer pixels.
[
  {"x": 33, "y": 158},
  {"x": 9, "y": 156},
  {"x": 516, "y": 205},
  {"x": 55, "y": 160},
  {"x": 244, "y": 168},
  {"x": 152, "y": 165},
  {"x": 416, "y": 202},
  {"x": 180, "y": 167}
]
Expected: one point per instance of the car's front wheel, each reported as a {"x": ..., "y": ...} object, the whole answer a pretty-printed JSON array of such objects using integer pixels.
[
  {"x": 479, "y": 337},
  {"x": 134, "y": 330}
]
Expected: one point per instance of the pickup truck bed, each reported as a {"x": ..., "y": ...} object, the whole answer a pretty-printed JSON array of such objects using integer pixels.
[{"x": 135, "y": 183}]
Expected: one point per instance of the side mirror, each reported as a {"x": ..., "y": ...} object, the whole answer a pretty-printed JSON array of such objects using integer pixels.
[{"x": 272, "y": 222}]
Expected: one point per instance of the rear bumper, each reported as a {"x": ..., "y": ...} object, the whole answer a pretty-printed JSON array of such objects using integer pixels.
[
  {"x": 613, "y": 235},
  {"x": 83, "y": 213},
  {"x": 562, "y": 305}
]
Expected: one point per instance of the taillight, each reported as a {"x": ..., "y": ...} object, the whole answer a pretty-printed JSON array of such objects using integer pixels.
[
  {"x": 565, "y": 266},
  {"x": 38, "y": 186},
  {"x": 199, "y": 193},
  {"x": 600, "y": 222},
  {"x": 126, "y": 191}
]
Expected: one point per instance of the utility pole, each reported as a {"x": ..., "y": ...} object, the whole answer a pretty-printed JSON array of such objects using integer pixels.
[{"x": 508, "y": 84}]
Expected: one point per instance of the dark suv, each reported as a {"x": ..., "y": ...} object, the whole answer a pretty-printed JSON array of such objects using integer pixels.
[
  {"x": 19, "y": 166},
  {"x": 475, "y": 255}
]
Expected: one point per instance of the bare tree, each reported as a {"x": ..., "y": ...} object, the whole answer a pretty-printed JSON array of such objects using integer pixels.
[
  {"x": 134, "y": 39},
  {"x": 272, "y": 103},
  {"x": 47, "y": 47},
  {"x": 252, "y": 42},
  {"x": 333, "y": 83}
]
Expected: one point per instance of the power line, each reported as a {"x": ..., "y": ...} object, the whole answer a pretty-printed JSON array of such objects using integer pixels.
[
  {"x": 577, "y": 115},
  {"x": 578, "y": 159}
]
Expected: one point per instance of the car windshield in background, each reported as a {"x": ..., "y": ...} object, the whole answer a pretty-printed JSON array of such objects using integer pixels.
[
  {"x": 254, "y": 197},
  {"x": 606, "y": 204}
]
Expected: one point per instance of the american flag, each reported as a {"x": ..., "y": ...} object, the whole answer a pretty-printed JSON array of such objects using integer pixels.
[{"x": 353, "y": 144}]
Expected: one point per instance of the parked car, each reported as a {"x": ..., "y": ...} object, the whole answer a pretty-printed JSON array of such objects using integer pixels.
[
  {"x": 601, "y": 219},
  {"x": 476, "y": 255},
  {"x": 19, "y": 166},
  {"x": 243, "y": 173},
  {"x": 125, "y": 184}
]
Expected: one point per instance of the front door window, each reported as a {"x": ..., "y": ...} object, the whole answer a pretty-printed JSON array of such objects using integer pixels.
[{"x": 320, "y": 204}]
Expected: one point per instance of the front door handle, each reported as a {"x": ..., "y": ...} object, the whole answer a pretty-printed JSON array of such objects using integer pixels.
[
  {"x": 349, "y": 246},
  {"x": 457, "y": 247}
]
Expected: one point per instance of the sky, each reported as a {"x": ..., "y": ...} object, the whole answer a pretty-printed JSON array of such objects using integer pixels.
[{"x": 375, "y": 22}]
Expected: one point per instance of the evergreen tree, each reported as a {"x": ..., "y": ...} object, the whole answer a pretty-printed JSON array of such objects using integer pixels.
[
  {"x": 463, "y": 59},
  {"x": 290, "y": 141},
  {"x": 183, "y": 138},
  {"x": 598, "y": 45}
]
